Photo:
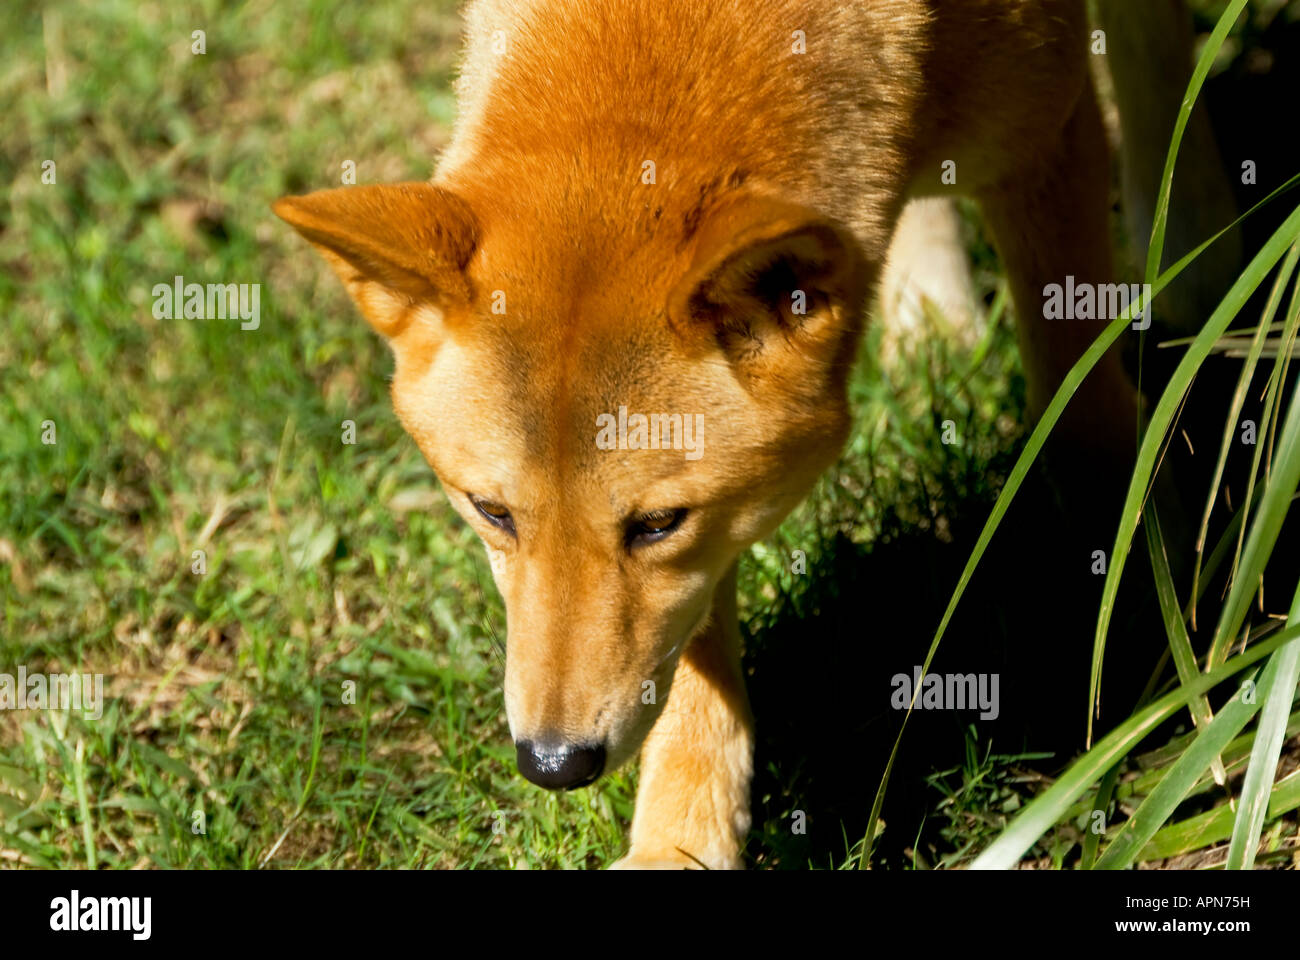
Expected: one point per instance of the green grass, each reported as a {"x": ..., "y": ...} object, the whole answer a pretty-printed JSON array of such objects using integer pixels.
[
  {"x": 1259, "y": 799},
  {"x": 328, "y": 692},
  {"x": 326, "y": 563}
]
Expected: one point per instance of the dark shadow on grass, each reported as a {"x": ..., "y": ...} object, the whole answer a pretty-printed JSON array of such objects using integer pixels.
[
  {"x": 819, "y": 672},
  {"x": 820, "y": 662}
]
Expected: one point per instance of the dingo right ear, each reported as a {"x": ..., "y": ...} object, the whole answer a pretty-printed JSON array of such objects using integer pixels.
[
  {"x": 778, "y": 286},
  {"x": 392, "y": 245}
]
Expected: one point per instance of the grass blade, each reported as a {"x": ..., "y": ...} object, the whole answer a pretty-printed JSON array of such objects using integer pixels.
[
  {"x": 1274, "y": 504},
  {"x": 1055, "y": 802},
  {"x": 1238, "y": 399},
  {"x": 1183, "y": 776},
  {"x": 1160, "y": 222},
  {"x": 1180, "y": 644},
  {"x": 1179, "y": 383},
  {"x": 1214, "y": 826},
  {"x": 1258, "y": 784},
  {"x": 1033, "y": 446},
  {"x": 1268, "y": 423}
]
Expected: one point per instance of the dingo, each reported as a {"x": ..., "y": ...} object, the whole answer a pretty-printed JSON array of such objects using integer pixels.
[{"x": 682, "y": 206}]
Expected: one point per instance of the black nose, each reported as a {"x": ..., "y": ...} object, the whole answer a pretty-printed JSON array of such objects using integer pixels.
[{"x": 560, "y": 766}]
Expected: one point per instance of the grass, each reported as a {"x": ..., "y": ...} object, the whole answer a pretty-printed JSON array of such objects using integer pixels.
[
  {"x": 327, "y": 691},
  {"x": 1277, "y": 684}
]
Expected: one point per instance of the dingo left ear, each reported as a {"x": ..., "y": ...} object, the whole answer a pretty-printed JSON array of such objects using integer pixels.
[
  {"x": 392, "y": 245},
  {"x": 768, "y": 275}
]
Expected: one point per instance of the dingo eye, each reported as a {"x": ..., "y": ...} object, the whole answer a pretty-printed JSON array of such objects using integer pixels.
[
  {"x": 494, "y": 513},
  {"x": 652, "y": 527}
]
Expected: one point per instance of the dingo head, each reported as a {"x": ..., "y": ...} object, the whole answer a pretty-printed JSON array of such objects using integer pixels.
[{"x": 519, "y": 334}]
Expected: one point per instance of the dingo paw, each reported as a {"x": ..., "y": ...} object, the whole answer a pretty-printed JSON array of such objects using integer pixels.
[{"x": 675, "y": 860}]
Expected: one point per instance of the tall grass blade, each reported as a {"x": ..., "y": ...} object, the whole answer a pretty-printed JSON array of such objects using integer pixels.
[
  {"x": 1238, "y": 399},
  {"x": 1179, "y": 383},
  {"x": 1055, "y": 802},
  {"x": 1160, "y": 222},
  {"x": 1082, "y": 367},
  {"x": 1272, "y": 722},
  {"x": 1274, "y": 504},
  {"x": 1180, "y": 644},
  {"x": 1183, "y": 776}
]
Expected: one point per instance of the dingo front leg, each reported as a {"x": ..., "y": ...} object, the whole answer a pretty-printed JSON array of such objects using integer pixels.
[{"x": 692, "y": 807}]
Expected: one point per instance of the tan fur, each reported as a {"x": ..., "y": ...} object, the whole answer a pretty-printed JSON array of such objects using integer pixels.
[
  {"x": 770, "y": 167},
  {"x": 926, "y": 287}
]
